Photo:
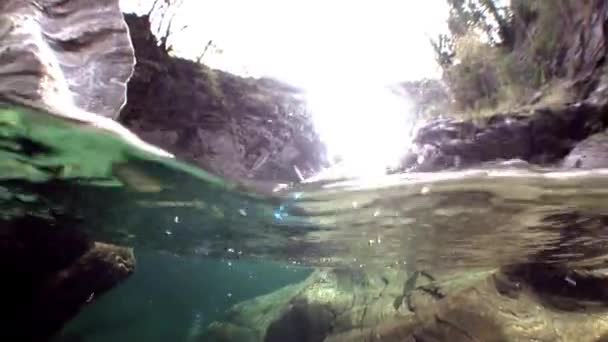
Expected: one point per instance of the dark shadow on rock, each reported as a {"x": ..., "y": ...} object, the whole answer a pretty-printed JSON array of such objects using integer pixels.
[
  {"x": 302, "y": 322},
  {"x": 560, "y": 288},
  {"x": 51, "y": 269},
  {"x": 70, "y": 337},
  {"x": 459, "y": 325},
  {"x": 604, "y": 338},
  {"x": 553, "y": 273}
]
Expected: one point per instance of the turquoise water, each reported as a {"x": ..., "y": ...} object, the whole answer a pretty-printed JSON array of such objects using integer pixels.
[
  {"x": 203, "y": 244},
  {"x": 173, "y": 298}
]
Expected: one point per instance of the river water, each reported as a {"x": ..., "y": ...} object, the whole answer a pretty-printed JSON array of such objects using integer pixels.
[{"x": 204, "y": 244}]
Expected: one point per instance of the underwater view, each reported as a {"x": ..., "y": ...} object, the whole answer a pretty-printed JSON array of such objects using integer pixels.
[{"x": 163, "y": 178}]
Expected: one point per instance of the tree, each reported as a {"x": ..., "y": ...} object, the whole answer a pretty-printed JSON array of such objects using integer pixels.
[
  {"x": 501, "y": 16},
  {"x": 485, "y": 16},
  {"x": 445, "y": 50},
  {"x": 162, "y": 14}
]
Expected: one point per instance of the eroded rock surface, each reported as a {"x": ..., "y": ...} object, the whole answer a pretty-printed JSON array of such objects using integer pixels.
[
  {"x": 57, "y": 52},
  {"x": 330, "y": 303},
  {"x": 511, "y": 304},
  {"x": 497, "y": 308}
]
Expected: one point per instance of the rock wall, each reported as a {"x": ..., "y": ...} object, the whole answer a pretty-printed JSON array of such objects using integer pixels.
[
  {"x": 583, "y": 43},
  {"x": 234, "y": 127},
  {"x": 542, "y": 136},
  {"x": 55, "y": 53}
]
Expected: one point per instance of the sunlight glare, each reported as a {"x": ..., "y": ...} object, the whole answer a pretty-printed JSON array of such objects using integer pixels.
[
  {"x": 342, "y": 53},
  {"x": 362, "y": 123}
]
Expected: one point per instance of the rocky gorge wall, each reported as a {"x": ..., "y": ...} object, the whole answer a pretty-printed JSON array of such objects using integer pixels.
[
  {"x": 537, "y": 134},
  {"x": 232, "y": 126}
]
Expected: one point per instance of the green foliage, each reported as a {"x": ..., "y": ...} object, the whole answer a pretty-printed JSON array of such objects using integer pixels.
[
  {"x": 444, "y": 48},
  {"x": 545, "y": 42},
  {"x": 481, "y": 16},
  {"x": 495, "y": 54},
  {"x": 473, "y": 78},
  {"x": 429, "y": 97}
]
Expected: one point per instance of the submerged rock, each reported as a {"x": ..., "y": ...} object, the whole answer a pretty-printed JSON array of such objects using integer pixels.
[
  {"x": 493, "y": 309},
  {"x": 511, "y": 304},
  {"x": 51, "y": 269},
  {"x": 329, "y": 303},
  {"x": 326, "y": 302}
]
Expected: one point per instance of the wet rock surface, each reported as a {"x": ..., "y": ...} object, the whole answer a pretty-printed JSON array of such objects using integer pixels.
[
  {"x": 232, "y": 126},
  {"x": 544, "y": 136},
  {"x": 497, "y": 308},
  {"x": 331, "y": 303},
  {"x": 514, "y": 303}
]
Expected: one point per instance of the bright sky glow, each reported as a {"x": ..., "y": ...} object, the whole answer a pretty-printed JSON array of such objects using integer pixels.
[{"x": 343, "y": 53}]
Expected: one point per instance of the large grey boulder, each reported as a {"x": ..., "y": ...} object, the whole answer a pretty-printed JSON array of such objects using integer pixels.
[
  {"x": 590, "y": 153},
  {"x": 56, "y": 52}
]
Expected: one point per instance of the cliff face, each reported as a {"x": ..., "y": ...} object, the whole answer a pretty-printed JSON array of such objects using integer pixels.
[
  {"x": 573, "y": 44},
  {"x": 231, "y": 126},
  {"x": 49, "y": 59},
  {"x": 570, "y": 50}
]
